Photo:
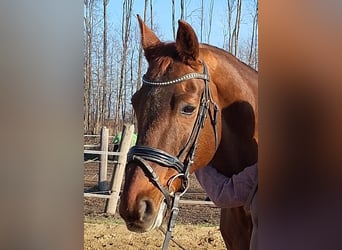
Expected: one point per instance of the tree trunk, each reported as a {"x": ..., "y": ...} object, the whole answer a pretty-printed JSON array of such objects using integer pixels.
[
  {"x": 151, "y": 10},
  {"x": 236, "y": 30},
  {"x": 98, "y": 95},
  {"x": 202, "y": 21},
  {"x": 86, "y": 68},
  {"x": 141, "y": 53},
  {"x": 89, "y": 4},
  {"x": 182, "y": 16},
  {"x": 173, "y": 20},
  {"x": 252, "y": 58},
  {"x": 210, "y": 19},
  {"x": 104, "y": 76},
  {"x": 126, "y": 25},
  {"x": 230, "y": 9},
  {"x": 116, "y": 105},
  {"x": 111, "y": 80},
  {"x": 131, "y": 81}
]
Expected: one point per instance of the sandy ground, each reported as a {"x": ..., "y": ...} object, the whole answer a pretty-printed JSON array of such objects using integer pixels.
[{"x": 113, "y": 234}]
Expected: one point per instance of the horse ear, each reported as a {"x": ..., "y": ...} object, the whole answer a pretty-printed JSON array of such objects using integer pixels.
[
  {"x": 186, "y": 42},
  {"x": 148, "y": 38}
]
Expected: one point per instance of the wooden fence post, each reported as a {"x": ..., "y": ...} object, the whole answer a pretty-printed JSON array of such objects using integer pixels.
[
  {"x": 103, "y": 184},
  {"x": 119, "y": 169}
]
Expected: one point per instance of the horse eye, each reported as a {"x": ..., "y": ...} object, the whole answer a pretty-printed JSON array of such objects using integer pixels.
[{"x": 188, "y": 110}]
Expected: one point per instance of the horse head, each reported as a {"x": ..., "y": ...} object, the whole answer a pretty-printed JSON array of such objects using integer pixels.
[{"x": 177, "y": 127}]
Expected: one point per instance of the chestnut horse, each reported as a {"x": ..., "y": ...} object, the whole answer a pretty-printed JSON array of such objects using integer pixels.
[{"x": 186, "y": 87}]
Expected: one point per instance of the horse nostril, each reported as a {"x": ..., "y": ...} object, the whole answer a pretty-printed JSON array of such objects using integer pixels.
[{"x": 145, "y": 209}]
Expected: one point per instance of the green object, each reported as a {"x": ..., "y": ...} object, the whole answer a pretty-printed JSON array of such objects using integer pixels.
[
  {"x": 117, "y": 138},
  {"x": 134, "y": 139}
]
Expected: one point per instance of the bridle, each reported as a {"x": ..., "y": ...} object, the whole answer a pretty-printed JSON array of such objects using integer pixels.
[{"x": 142, "y": 154}]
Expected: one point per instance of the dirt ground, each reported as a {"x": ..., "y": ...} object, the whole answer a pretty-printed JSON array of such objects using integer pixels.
[{"x": 197, "y": 226}]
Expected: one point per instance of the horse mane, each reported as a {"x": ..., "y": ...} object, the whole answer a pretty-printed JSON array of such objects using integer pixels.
[{"x": 234, "y": 60}]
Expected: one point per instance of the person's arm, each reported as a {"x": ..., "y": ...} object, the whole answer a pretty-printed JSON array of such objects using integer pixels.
[{"x": 228, "y": 192}]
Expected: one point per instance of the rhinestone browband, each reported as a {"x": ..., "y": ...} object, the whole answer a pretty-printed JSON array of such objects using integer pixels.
[{"x": 180, "y": 79}]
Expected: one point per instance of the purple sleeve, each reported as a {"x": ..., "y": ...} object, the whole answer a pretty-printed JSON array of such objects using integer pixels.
[{"x": 228, "y": 192}]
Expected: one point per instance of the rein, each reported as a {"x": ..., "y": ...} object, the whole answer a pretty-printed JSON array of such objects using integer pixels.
[{"x": 142, "y": 154}]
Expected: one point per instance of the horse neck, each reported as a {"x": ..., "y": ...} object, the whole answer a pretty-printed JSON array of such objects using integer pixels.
[
  {"x": 235, "y": 90},
  {"x": 234, "y": 80}
]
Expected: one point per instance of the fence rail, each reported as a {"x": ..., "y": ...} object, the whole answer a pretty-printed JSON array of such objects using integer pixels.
[
  {"x": 110, "y": 136},
  {"x": 181, "y": 201},
  {"x": 99, "y": 152},
  {"x": 92, "y": 145},
  {"x": 113, "y": 190}
]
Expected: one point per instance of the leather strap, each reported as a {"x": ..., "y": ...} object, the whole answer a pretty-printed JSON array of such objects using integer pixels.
[
  {"x": 156, "y": 155},
  {"x": 172, "y": 221},
  {"x": 153, "y": 177}
]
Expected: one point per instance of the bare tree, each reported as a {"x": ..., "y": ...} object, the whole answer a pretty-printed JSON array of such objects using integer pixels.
[
  {"x": 110, "y": 81},
  {"x": 98, "y": 93},
  {"x": 132, "y": 80},
  {"x": 173, "y": 19},
  {"x": 236, "y": 30},
  {"x": 202, "y": 21},
  {"x": 182, "y": 16},
  {"x": 230, "y": 10},
  {"x": 104, "y": 76},
  {"x": 126, "y": 24},
  {"x": 89, "y": 4},
  {"x": 248, "y": 50},
  {"x": 151, "y": 12},
  {"x": 252, "y": 56},
  {"x": 141, "y": 52},
  {"x": 211, "y": 10},
  {"x": 113, "y": 51}
]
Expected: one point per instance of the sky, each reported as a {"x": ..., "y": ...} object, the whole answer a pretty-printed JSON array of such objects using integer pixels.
[{"x": 162, "y": 17}]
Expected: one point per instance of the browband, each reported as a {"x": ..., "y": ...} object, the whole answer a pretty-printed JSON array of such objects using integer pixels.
[{"x": 194, "y": 75}]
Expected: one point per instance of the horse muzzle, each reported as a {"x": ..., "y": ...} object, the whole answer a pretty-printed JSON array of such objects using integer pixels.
[
  {"x": 144, "y": 217},
  {"x": 146, "y": 195}
]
